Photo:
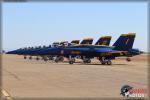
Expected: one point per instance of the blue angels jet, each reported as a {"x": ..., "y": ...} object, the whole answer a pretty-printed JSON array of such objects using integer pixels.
[
  {"x": 31, "y": 51},
  {"x": 57, "y": 48},
  {"x": 122, "y": 47},
  {"x": 57, "y": 52}
]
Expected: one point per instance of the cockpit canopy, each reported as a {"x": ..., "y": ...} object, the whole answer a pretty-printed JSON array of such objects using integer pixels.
[{"x": 55, "y": 44}]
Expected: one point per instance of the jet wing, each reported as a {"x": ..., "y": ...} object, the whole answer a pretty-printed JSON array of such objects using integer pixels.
[
  {"x": 77, "y": 49},
  {"x": 110, "y": 51}
]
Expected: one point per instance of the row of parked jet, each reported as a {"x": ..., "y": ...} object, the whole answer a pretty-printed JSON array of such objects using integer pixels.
[{"x": 85, "y": 50}]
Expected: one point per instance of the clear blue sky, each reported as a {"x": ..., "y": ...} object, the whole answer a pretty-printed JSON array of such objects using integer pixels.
[{"x": 34, "y": 24}]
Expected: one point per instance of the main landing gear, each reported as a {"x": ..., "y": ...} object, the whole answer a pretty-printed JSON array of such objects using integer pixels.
[
  {"x": 30, "y": 58},
  {"x": 59, "y": 58},
  {"x": 71, "y": 60},
  {"x": 87, "y": 60},
  {"x": 50, "y": 57},
  {"x": 44, "y": 58},
  {"x": 105, "y": 61}
]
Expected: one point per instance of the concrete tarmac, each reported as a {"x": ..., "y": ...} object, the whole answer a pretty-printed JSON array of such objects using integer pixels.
[{"x": 30, "y": 78}]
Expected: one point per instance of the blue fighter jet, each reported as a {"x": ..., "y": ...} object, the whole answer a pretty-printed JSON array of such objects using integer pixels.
[
  {"x": 58, "y": 52},
  {"x": 54, "y": 50},
  {"x": 122, "y": 47},
  {"x": 30, "y": 51}
]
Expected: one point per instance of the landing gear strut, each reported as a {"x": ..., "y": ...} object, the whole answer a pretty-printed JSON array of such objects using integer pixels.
[
  {"x": 104, "y": 61},
  {"x": 50, "y": 57},
  {"x": 109, "y": 62},
  {"x": 71, "y": 60},
  {"x": 59, "y": 58},
  {"x": 87, "y": 60}
]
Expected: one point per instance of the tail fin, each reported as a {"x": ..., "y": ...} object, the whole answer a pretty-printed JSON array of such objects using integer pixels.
[
  {"x": 75, "y": 41},
  {"x": 104, "y": 40},
  {"x": 87, "y": 41},
  {"x": 124, "y": 42}
]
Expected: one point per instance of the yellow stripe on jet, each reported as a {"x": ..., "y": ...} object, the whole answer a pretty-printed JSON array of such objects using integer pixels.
[
  {"x": 110, "y": 53},
  {"x": 75, "y": 41},
  {"x": 129, "y": 34},
  {"x": 92, "y": 45},
  {"x": 106, "y": 37},
  {"x": 120, "y": 52},
  {"x": 83, "y": 45},
  {"x": 88, "y": 39}
]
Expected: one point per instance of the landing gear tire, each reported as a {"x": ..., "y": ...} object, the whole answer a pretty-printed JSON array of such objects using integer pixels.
[
  {"x": 128, "y": 59},
  {"x": 37, "y": 58},
  {"x": 71, "y": 59},
  {"x": 103, "y": 63},
  {"x": 25, "y": 57},
  {"x": 30, "y": 58},
  {"x": 45, "y": 60},
  {"x": 56, "y": 60},
  {"x": 61, "y": 59},
  {"x": 109, "y": 62},
  {"x": 71, "y": 62},
  {"x": 89, "y": 61}
]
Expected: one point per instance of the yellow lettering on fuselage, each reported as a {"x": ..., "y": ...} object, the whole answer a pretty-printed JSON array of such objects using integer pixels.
[
  {"x": 75, "y": 52},
  {"x": 105, "y": 54}
]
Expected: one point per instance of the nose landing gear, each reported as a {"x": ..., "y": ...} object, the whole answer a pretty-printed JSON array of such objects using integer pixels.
[
  {"x": 25, "y": 57},
  {"x": 30, "y": 57},
  {"x": 37, "y": 58},
  {"x": 128, "y": 59}
]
